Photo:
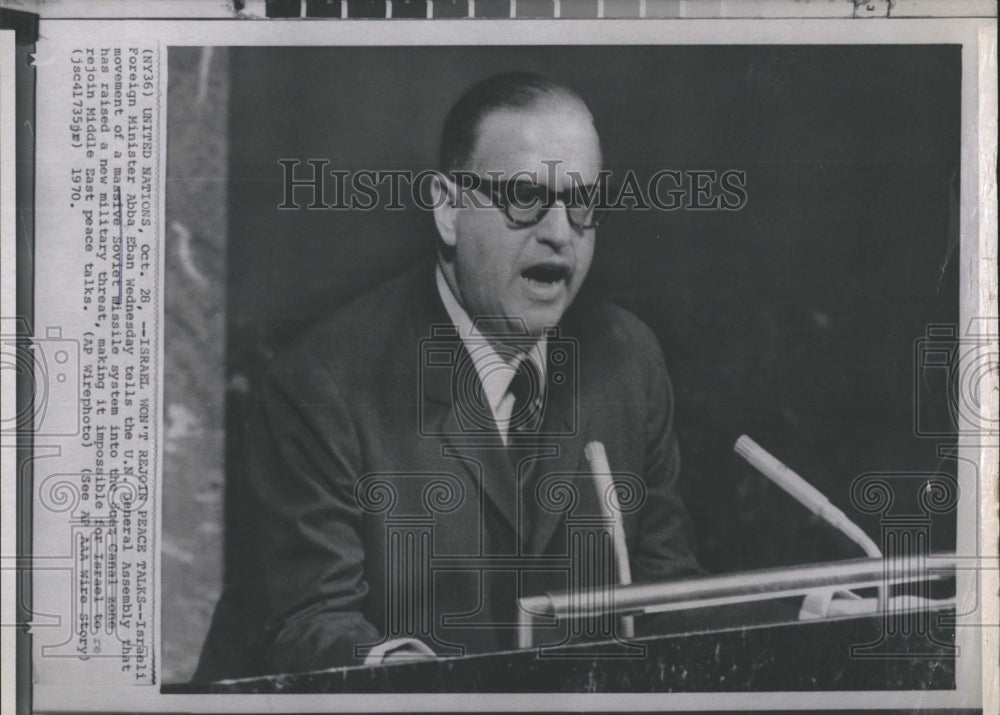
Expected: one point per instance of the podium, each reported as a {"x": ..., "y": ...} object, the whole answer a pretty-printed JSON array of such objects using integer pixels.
[{"x": 899, "y": 647}]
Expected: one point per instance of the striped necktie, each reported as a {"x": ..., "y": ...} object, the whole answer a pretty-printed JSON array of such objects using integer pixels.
[{"x": 527, "y": 389}]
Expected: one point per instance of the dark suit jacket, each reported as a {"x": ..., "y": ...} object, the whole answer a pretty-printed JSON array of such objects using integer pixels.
[{"x": 368, "y": 473}]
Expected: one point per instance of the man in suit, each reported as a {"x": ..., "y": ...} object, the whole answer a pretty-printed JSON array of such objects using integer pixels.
[{"x": 416, "y": 461}]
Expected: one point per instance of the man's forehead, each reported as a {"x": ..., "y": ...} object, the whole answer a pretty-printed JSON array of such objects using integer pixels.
[{"x": 555, "y": 133}]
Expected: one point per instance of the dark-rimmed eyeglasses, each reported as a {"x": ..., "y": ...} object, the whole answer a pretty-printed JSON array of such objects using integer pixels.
[{"x": 525, "y": 203}]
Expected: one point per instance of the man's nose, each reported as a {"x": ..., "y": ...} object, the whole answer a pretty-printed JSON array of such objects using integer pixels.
[{"x": 555, "y": 228}]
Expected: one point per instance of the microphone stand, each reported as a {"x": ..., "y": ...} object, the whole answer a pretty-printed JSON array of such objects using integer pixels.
[{"x": 813, "y": 499}]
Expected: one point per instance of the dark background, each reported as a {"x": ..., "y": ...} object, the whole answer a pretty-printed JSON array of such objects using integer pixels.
[{"x": 793, "y": 320}]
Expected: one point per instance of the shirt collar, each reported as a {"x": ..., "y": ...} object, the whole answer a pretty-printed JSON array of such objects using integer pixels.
[{"x": 494, "y": 380}]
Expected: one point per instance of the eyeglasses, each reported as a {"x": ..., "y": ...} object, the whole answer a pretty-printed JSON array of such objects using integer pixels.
[{"x": 525, "y": 203}]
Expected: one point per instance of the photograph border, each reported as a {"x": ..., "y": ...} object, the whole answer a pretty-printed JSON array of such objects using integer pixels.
[{"x": 978, "y": 300}]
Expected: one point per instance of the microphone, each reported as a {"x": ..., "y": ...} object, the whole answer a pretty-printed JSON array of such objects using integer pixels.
[
  {"x": 804, "y": 492},
  {"x": 597, "y": 457}
]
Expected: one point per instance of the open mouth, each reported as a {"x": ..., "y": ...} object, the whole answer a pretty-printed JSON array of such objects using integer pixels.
[{"x": 546, "y": 274}]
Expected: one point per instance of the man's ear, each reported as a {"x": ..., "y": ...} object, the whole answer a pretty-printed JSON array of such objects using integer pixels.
[{"x": 445, "y": 213}]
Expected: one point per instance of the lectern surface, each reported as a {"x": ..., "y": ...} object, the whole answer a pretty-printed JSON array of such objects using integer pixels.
[{"x": 913, "y": 652}]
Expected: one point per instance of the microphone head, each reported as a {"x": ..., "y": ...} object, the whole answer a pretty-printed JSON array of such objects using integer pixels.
[{"x": 745, "y": 446}]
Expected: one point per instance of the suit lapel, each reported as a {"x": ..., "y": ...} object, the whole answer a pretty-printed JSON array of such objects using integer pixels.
[
  {"x": 484, "y": 462},
  {"x": 455, "y": 411},
  {"x": 572, "y": 418},
  {"x": 564, "y": 430}
]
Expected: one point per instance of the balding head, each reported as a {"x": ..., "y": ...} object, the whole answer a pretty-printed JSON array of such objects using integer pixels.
[{"x": 513, "y": 91}]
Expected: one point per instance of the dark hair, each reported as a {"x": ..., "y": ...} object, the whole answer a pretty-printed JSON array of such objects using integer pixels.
[{"x": 511, "y": 90}]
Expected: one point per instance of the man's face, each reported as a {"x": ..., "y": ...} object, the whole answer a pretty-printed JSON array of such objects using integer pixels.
[{"x": 532, "y": 273}]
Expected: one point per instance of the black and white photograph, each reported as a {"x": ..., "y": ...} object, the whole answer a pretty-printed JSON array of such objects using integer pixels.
[{"x": 498, "y": 363}]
